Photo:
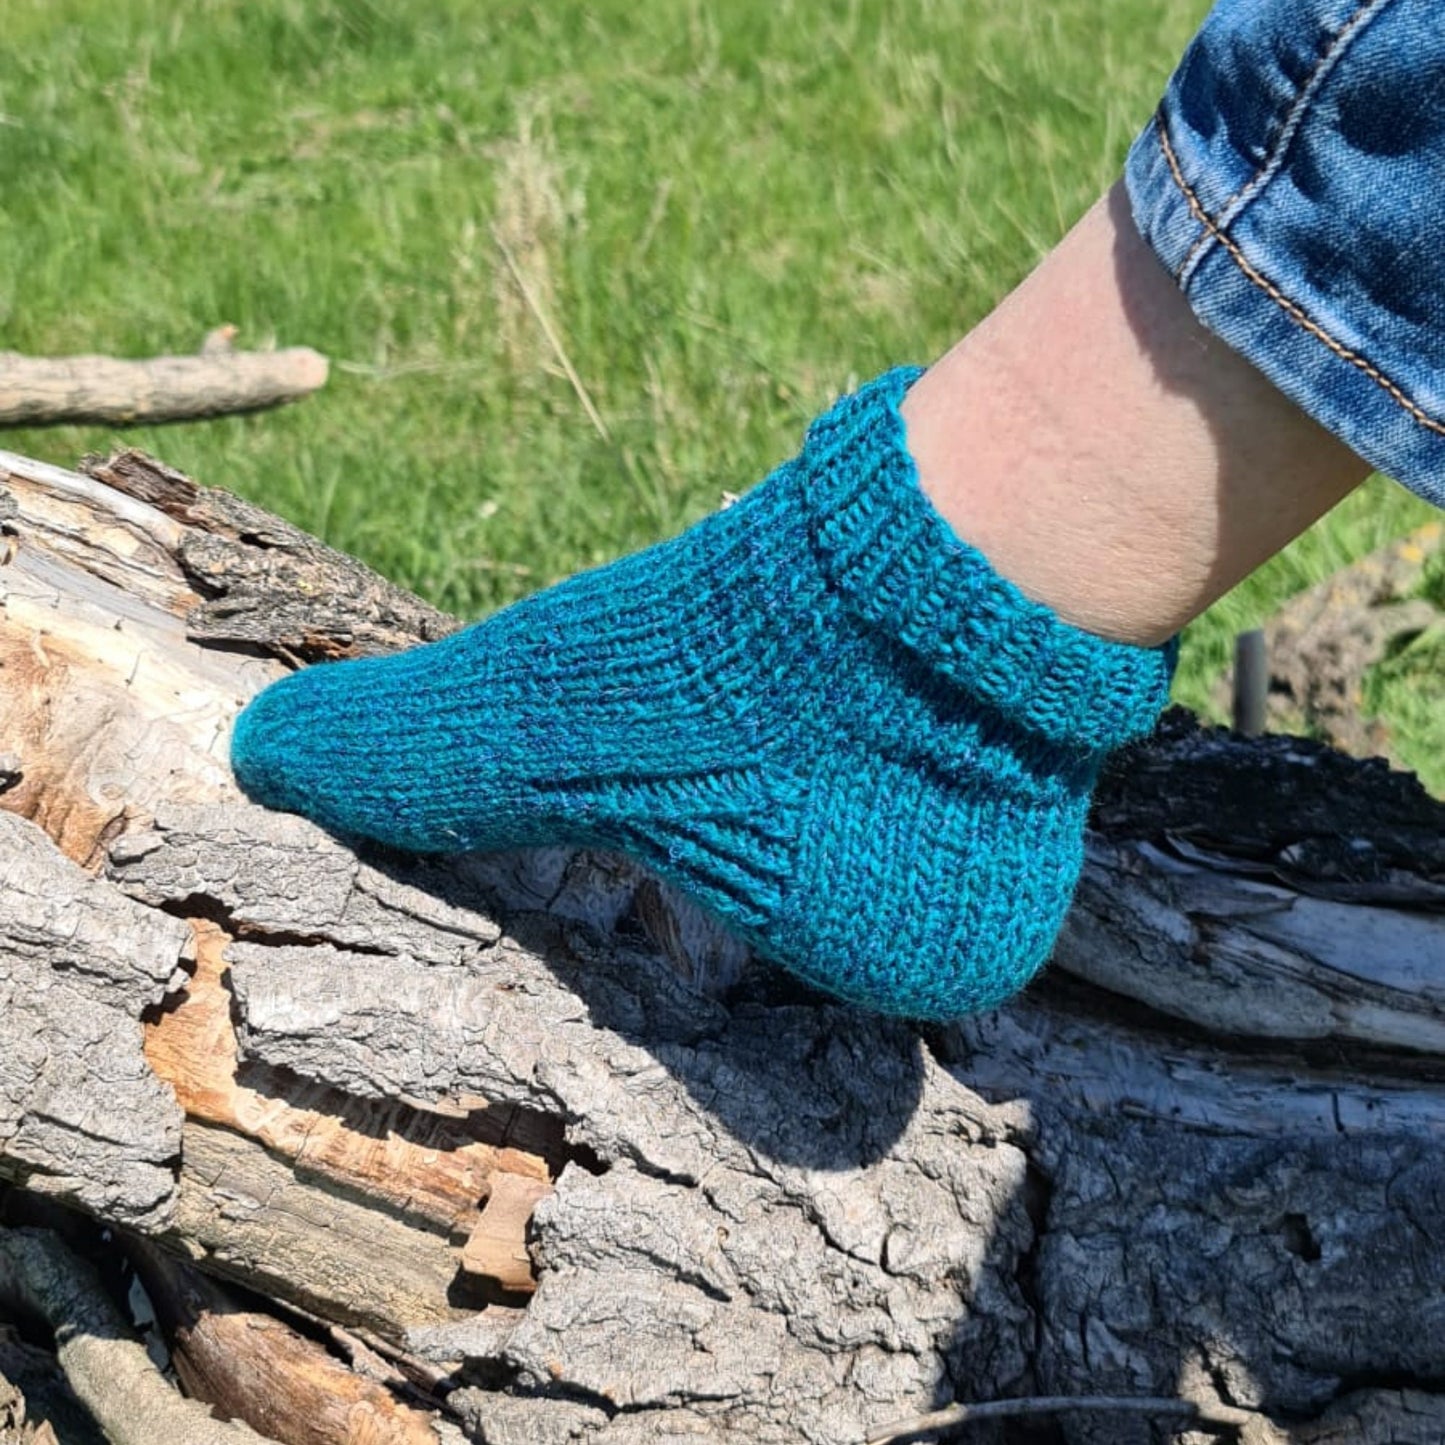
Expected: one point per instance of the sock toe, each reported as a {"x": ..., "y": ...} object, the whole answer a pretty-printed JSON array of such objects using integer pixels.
[
  {"x": 296, "y": 747},
  {"x": 265, "y": 756}
]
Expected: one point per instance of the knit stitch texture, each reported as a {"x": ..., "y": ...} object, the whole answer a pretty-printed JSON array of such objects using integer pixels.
[{"x": 818, "y": 712}]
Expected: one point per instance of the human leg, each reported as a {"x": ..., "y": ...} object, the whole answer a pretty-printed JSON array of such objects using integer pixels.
[
  {"x": 1107, "y": 453},
  {"x": 1120, "y": 461}
]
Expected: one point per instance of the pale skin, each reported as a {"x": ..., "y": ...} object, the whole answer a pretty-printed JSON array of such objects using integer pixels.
[{"x": 1106, "y": 453}]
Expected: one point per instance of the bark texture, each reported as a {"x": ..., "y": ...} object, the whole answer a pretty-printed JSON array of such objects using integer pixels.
[{"x": 533, "y": 1125}]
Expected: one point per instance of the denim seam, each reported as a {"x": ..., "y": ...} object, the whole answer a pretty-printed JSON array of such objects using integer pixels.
[
  {"x": 1364, "y": 12},
  {"x": 1292, "y": 309}
]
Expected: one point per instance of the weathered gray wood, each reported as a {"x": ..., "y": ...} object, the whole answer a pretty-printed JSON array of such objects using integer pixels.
[
  {"x": 285, "y": 875},
  {"x": 1381, "y": 1417},
  {"x": 245, "y": 1215},
  {"x": 264, "y": 582},
  {"x": 1281, "y": 965},
  {"x": 250, "y": 1366},
  {"x": 81, "y": 1114},
  {"x": 37, "y": 1405},
  {"x": 794, "y": 1197},
  {"x": 1197, "y": 1159}
]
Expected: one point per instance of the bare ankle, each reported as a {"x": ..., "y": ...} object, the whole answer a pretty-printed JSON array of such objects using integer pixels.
[{"x": 1108, "y": 455}]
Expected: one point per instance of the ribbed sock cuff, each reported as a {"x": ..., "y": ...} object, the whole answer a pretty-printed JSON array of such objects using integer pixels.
[{"x": 903, "y": 568}]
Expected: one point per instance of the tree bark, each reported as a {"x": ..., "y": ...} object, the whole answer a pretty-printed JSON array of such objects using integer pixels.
[
  {"x": 536, "y": 1121},
  {"x": 106, "y": 391}
]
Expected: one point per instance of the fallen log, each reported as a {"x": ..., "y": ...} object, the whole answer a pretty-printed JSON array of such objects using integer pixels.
[
  {"x": 107, "y": 391},
  {"x": 533, "y": 1120}
]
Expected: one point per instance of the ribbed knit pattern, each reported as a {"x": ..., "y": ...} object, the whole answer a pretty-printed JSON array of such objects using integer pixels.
[{"x": 818, "y": 712}]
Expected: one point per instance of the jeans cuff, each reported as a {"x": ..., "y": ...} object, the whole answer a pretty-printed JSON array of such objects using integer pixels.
[{"x": 1231, "y": 278}]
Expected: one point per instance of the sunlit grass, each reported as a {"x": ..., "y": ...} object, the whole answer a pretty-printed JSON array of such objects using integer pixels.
[{"x": 728, "y": 213}]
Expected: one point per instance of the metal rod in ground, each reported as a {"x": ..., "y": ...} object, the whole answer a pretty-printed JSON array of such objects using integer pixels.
[{"x": 1251, "y": 683}]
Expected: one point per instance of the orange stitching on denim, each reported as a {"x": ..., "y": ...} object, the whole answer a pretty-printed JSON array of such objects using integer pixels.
[
  {"x": 1209, "y": 231},
  {"x": 1346, "y": 32},
  {"x": 1291, "y": 308}
]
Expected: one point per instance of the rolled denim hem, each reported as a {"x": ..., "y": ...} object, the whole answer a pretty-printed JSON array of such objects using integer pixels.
[{"x": 1330, "y": 288}]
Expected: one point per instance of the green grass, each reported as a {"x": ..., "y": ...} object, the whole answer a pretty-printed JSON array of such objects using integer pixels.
[
  {"x": 729, "y": 212},
  {"x": 1408, "y": 686}
]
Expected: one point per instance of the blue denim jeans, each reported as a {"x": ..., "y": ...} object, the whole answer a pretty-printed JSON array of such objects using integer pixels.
[{"x": 1293, "y": 182}]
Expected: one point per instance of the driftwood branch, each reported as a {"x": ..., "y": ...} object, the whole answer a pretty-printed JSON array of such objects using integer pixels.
[
  {"x": 105, "y": 1364},
  {"x": 536, "y": 1129},
  {"x": 106, "y": 391}
]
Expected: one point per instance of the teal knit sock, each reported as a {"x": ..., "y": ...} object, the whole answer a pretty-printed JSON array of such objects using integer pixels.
[{"x": 818, "y": 712}]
